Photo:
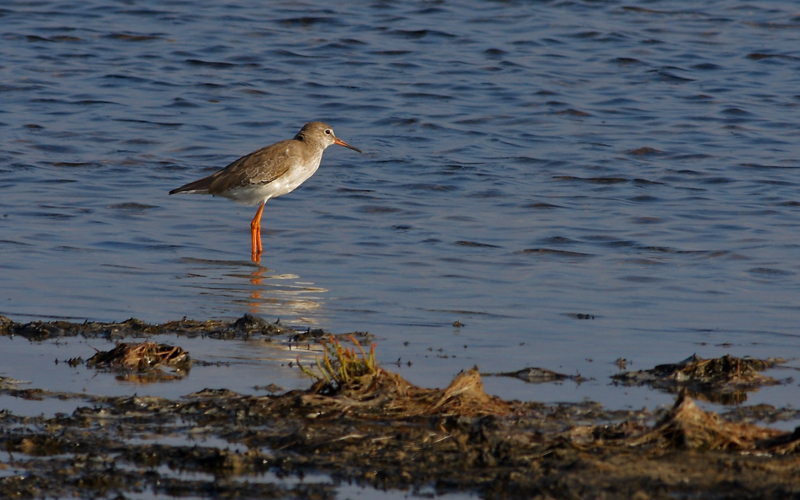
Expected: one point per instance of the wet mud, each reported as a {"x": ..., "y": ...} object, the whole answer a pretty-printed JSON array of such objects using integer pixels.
[{"x": 360, "y": 423}]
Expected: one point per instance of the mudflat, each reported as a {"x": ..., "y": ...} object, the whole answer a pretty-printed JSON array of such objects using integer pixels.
[{"x": 358, "y": 422}]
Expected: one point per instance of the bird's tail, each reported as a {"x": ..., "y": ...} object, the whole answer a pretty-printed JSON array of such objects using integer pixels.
[{"x": 199, "y": 186}]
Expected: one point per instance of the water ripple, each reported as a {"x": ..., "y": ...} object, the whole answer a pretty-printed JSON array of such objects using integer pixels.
[{"x": 635, "y": 160}]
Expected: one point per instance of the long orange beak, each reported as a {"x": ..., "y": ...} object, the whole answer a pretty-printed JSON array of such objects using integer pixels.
[{"x": 340, "y": 142}]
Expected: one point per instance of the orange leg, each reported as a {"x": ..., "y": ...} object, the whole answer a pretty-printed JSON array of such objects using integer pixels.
[{"x": 255, "y": 233}]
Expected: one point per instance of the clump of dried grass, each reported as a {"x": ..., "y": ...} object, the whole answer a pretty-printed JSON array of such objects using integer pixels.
[
  {"x": 356, "y": 386},
  {"x": 688, "y": 427},
  {"x": 341, "y": 366}
]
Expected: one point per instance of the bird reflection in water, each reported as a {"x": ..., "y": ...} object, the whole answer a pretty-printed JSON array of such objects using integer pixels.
[
  {"x": 275, "y": 295},
  {"x": 255, "y": 294}
]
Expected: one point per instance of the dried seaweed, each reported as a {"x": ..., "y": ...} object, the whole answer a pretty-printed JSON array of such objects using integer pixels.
[
  {"x": 143, "y": 362},
  {"x": 535, "y": 375},
  {"x": 247, "y": 326},
  {"x": 725, "y": 380}
]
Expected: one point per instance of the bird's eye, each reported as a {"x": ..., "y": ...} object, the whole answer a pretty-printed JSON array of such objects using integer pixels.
[{"x": 328, "y": 131}]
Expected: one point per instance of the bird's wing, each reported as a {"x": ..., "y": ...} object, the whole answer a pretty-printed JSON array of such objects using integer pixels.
[{"x": 259, "y": 167}]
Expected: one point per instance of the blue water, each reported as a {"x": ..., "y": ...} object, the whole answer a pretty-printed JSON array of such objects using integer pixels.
[{"x": 527, "y": 164}]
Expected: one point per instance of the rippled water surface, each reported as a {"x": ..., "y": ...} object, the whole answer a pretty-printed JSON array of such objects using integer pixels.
[{"x": 574, "y": 182}]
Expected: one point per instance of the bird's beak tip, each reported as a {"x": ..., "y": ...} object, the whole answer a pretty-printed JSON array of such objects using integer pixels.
[{"x": 342, "y": 143}]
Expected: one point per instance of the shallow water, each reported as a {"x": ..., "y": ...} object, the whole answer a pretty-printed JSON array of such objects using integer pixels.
[{"x": 527, "y": 166}]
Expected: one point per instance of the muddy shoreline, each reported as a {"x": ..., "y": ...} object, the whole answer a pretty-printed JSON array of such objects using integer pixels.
[{"x": 360, "y": 423}]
